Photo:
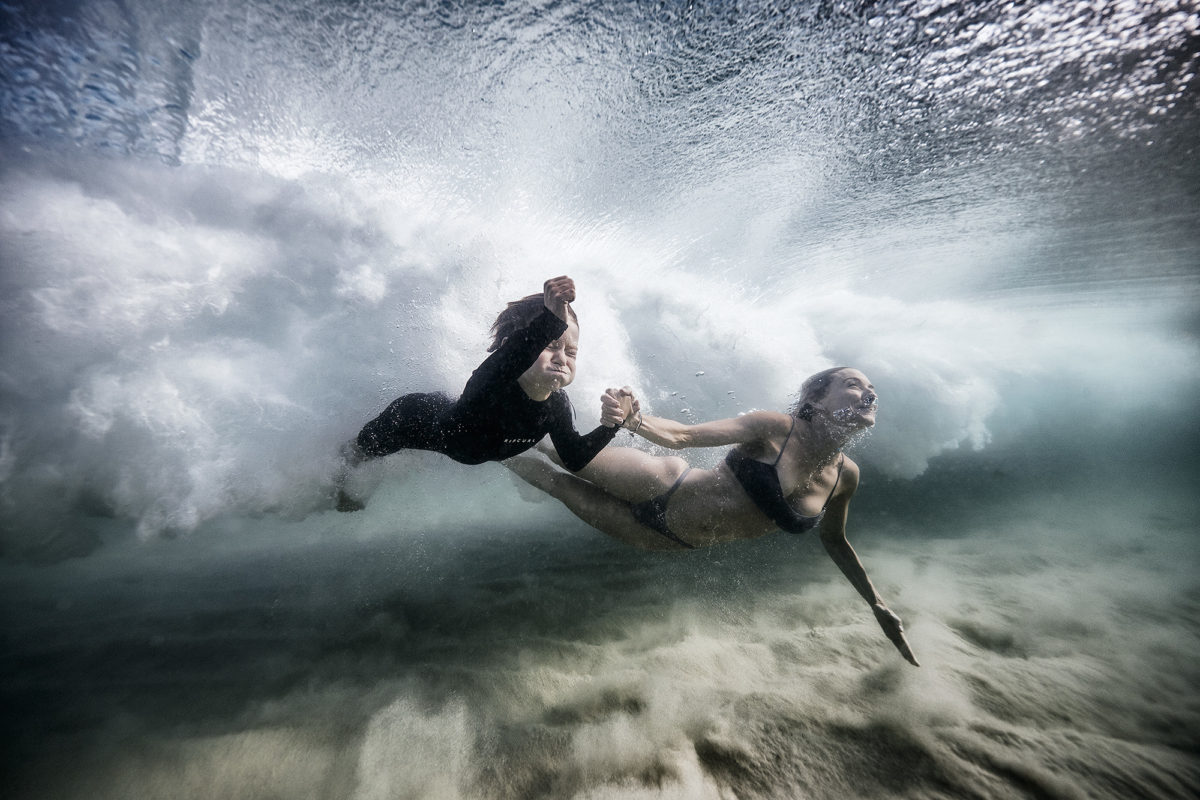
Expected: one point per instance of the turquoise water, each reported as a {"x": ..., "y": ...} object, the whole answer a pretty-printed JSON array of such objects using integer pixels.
[{"x": 232, "y": 232}]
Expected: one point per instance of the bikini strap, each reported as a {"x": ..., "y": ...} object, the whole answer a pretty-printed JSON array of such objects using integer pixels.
[
  {"x": 841, "y": 463},
  {"x": 667, "y": 495},
  {"x": 785, "y": 441}
]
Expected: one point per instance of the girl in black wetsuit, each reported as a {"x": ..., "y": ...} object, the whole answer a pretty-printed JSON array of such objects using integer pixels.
[{"x": 509, "y": 404}]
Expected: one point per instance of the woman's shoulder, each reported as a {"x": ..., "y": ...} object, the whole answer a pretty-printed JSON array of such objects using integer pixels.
[
  {"x": 761, "y": 433},
  {"x": 768, "y": 424},
  {"x": 848, "y": 480}
]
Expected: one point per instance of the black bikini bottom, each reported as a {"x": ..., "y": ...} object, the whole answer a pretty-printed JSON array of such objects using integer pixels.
[{"x": 653, "y": 513}]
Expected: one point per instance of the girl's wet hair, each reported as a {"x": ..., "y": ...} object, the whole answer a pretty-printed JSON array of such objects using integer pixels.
[
  {"x": 517, "y": 315},
  {"x": 813, "y": 390}
]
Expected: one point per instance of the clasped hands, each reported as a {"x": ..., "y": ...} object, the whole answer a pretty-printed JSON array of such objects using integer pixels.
[{"x": 618, "y": 407}]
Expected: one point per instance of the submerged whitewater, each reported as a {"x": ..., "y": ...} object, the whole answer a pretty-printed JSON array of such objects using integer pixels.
[{"x": 232, "y": 232}]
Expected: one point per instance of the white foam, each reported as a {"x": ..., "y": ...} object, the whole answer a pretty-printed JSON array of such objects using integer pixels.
[{"x": 190, "y": 363}]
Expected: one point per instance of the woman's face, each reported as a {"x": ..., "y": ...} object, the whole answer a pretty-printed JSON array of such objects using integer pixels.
[{"x": 851, "y": 399}]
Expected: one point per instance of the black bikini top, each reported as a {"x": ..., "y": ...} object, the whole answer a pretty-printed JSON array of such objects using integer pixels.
[{"x": 761, "y": 482}]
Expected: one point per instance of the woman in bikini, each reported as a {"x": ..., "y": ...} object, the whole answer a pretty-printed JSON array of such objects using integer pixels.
[{"x": 787, "y": 471}]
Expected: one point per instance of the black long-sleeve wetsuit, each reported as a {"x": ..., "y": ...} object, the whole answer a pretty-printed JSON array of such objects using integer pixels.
[{"x": 494, "y": 418}]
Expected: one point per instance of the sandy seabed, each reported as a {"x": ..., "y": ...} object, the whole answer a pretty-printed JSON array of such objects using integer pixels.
[{"x": 1058, "y": 642}]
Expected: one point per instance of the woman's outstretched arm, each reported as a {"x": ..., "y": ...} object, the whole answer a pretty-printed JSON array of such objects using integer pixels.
[
  {"x": 833, "y": 537},
  {"x": 678, "y": 435}
]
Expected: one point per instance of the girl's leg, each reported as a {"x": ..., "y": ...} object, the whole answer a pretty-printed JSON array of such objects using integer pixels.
[
  {"x": 628, "y": 473},
  {"x": 593, "y": 505},
  {"x": 350, "y": 455},
  {"x": 409, "y": 422}
]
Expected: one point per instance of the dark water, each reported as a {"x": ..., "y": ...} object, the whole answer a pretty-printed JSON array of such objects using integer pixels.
[{"x": 231, "y": 232}]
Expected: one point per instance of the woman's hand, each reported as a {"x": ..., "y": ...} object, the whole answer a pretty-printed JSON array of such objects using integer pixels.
[
  {"x": 556, "y": 293},
  {"x": 616, "y": 406},
  {"x": 620, "y": 401},
  {"x": 894, "y": 630}
]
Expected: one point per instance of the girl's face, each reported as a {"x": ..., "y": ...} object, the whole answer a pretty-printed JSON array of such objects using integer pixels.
[
  {"x": 851, "y": 399},
  {"x": 555, "y": 365}
]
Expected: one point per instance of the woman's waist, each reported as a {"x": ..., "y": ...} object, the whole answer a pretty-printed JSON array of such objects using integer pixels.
[{"x": 710, "y": 503}]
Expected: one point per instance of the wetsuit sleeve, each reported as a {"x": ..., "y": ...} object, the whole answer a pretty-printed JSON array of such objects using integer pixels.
[
  {"x": 576, "y": 450},
  {"x": 516, "y": 355}
]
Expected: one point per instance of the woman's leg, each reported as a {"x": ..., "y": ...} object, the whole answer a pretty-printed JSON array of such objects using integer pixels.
[
  {"x": 628, "y": 473},
  {"x": 593, "y": 505}
]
